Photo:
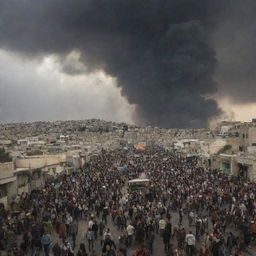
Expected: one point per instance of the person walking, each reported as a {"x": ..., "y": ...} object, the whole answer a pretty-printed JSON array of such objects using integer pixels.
[
  {"x": 122, "y": 244},
  {"x": 150, "y": 241},
  {"x": 166, "y": 239},
  {"x": 46, "y": 240},
  {"x": 130, "y": 232},
  {"x": 56, "y": 249},
  {"x": 162, "y": 225},
  {"x": 90, "y": 239},
  {"x": 190, "y": 242},
  {"x": 82, "y": 250}
]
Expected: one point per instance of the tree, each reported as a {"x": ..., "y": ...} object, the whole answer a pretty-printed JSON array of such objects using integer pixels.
[
  {"x": 4, "y": 157},
  {"x": 225, "y": 149},
  {"x": 35, "y": 152}
]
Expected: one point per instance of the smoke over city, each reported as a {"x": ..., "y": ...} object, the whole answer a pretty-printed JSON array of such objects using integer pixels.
[
  {"x": 162, "y": 53},
  {"x": 234, "y": 41}
]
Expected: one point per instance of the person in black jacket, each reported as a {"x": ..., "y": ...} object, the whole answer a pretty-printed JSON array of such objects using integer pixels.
[
  {"x": 122, "y": 244},
  {"x": 108, "y": 242},
  {"x": 166, "y": 238},
  {"x": 109, "y": 251},
  {"x": 150, "y": 241},
  {"x": 82, "y": 250},
  {"x": 56, "y": 249}
]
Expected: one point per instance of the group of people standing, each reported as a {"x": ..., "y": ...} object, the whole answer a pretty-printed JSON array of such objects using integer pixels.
[{"x": 189, "y": 210}]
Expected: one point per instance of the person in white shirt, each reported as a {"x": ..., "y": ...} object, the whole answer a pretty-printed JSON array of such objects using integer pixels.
[
  {"x": 90, "y": 223},
  {"x": 130, "y": 232},
  {"x": 190, "y": 242},
  {"x": 67, "y": 248},
  {"x": 69, "y": 220},
  {"x": 107, "y": 233},
  {"x": 162, "y": 225},
  {"x": 191, "y": 218}
]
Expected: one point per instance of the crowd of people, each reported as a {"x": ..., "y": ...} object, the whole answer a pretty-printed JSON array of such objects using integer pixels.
[{"x": 184, "y": 211}]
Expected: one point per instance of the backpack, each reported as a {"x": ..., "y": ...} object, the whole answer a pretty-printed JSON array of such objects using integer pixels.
[{"x": 94, "y": 227}]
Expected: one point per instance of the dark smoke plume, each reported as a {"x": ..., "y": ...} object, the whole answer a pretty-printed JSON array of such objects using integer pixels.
[
  {"x": 159, "y": 50},
  {"x": 235, "y": 42}
]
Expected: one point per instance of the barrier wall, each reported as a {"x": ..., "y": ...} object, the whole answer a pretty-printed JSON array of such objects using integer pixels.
[
  {"x": 8, "y": 166},
  {"x": 39, "y": 162}
]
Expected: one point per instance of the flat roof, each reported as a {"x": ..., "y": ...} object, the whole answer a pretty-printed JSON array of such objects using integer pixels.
[
  {"x": 6, "y": 177},
  {"x": 227, "y": 155},
  {"x": 22, "y": 170}
]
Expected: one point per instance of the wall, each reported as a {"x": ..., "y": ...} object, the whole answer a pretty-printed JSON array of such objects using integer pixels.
[
  {"x": 23, "y": 189},
  {"x": 39, "y": 162},
  {"x": 251, "y": 163},
  {"x": 215, "y": 162},
  {"x": 244, "y": 136},
  {"x": 4, "y": 201},
  {"x": 11, "y": 191},
  {"x": 216, "y": 145},
  {"x": 234, "y": 167},
  {"x": 252, "y": 135},
  {"x": 234, "y": 142},
  {"x": 6, "y": 167},
  {"x": 251, "y": 150}
]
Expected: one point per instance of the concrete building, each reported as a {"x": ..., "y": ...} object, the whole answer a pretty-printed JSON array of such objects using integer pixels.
[
  {"x": 8, "y": 183},
  {"x": 27, "y": 174}
]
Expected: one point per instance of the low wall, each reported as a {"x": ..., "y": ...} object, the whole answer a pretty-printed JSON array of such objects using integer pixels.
[
  {"x": 40, "y": 162},
  {"x": 8, "y": 166}
]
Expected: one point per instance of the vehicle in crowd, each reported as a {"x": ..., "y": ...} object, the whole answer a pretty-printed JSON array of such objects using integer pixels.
[{"x": 139, "y": 184}]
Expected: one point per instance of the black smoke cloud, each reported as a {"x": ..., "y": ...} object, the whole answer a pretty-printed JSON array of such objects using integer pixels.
[
  {"x": 235, "y": 42},
  {"x": 159, "y": 50}
]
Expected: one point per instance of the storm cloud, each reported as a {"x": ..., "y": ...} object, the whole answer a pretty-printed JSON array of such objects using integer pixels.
[
  {"x": 159, "y": 51},
  {"x": 31, "y": 90}
]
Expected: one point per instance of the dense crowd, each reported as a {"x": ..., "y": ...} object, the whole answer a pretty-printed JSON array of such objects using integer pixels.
[{"x": 191, "y": 210}]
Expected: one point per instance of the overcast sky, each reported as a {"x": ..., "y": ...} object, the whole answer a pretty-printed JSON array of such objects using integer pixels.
[{"x": 38, "y": 90}]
